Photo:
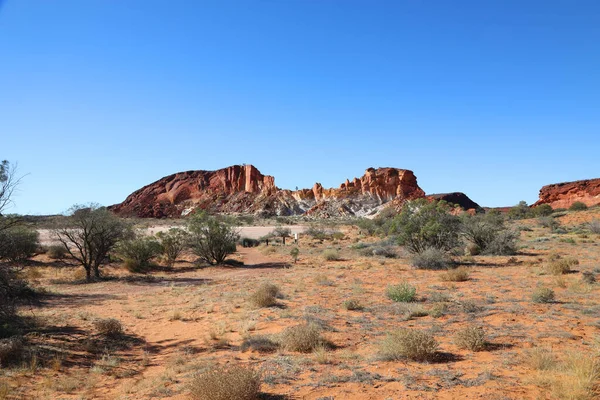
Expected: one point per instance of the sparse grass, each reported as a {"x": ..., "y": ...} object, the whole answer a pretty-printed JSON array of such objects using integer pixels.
[
  {"x": 409, "y": 344},
  {"x": 460, "y": 274},
  {"x": 470, "y": 338},
  {"x": 352, "y": 305},
  {"x": 559, "y": 266},
  {"x": 331, "y": 255},
  {"x": 265, "y": 296},
  {"x": 540, "y": 358},
  {"x": 403, "y": 292},
  {"x": 109, "y": 327},
  {"x": 261, "y": 344},
  {"x": 226, "y": 383},
  {"x": 302, "y": 338},
  {"x": 431, "y": 258},
  {"x": 543, "y": 295}
]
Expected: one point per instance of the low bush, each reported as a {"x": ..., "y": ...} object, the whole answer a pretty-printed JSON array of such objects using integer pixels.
[
  {"x": 18, "y": 244},
  {"x": 543, "y": 295},
  {"x": 331, "y": 255},
  {"x": 403, "y": 292},
  {"x": 248, "y": 242},
  {"x": 56, "y": 252},
  {"x": 578, "y": 206},
  {"x": 352, "y": 305},
  {"x": 109, "y": 327},
  {"x": 138, "y": 252},
  {"x": 431, "y": 258},
  {"x": 594, "y": 226},
  {"x": 226, "y": 383},
  {"x": 470, "y": 338},
  {"x": 460, "y": 274},
  {"x": 302, "y": 338},
  {"x": 265, "y": 295},
  {"x": 409, "y": 344},
  {"x": 542, "y": 210},
  {"x": 172, "y": 244}
]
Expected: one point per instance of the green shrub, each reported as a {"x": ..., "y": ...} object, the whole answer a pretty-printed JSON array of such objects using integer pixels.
[
  {"x": 409, "y": 344},
  {"x": 210, "y": 239},
  {"x": 172, "y": 243},
  {"x": 470, "y": 338},
  {"x": 431, "y": 258},
  {"x": 520, "y": 211},
  {"x": 543, "y": 295},
  {"x": 422, "y": 225},
  {"x": 488, "y": 235},
  {"x": 226, "y": 383},
  {"x": 295, "y": 252},
  {"x": 302, "y": 338},
  {"x": 248, "y": 242},
  {"x": 138, "y": 252},
  {"x": 331, "y": 255},
  {"x": 18, "y": 244},
  {"x": 578, "y": 206},
  {"x": 56, "y": 252},
  {"x": 403, "y": 292},
  {"x": 542, "y": 210}
]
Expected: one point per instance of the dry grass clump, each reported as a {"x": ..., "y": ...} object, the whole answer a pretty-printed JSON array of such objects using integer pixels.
[
  {"x": 56, "y": 252},
  {"x": 265, "y": 296},
  {"x": 431, "y": 258},
  {"x": 261, "y": 344},
  {"x": 352, "y": 305},
  {"x": 409, "y": 344},
  {"x": 403, "y": 292},
  {"x": 540, "y": 358},
  {"x": 110, "y": 327},
  {"x": 460, "y": 274},
  {"x": 11, "y": 350},
  {"x": 470, "y": 338},
  {"x": 331, "y": 255},
  {"x": 543, "y": 295},
  {"x": 226, "y": 383},
  {"x": 302, "y": 338},
  {"x": 559, "y": 266}
]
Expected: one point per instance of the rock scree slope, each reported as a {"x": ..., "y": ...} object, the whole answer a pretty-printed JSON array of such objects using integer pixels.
[{"x": 244, "y": 189}]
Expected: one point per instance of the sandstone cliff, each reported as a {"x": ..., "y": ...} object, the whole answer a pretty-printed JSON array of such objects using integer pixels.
[
  {"x": 563, "y": 195},
  {"x": 243, "y": 189}
]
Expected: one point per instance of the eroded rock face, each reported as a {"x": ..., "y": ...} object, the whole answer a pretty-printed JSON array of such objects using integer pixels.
[
  {"x": 563, "y": 195},
  {"x": 244, "y": 189}
]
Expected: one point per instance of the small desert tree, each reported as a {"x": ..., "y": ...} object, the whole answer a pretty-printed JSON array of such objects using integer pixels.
[
  {"x": 9, "y": 181},
  {"x": 423, "y": 225},
  {"x": 210, "y": 239},
  {"x": 489, "y": 235},
  {"x": 89, "y": 234},
  {"x": 282, "y": 232},
  {"x": 173, "y": 242}
]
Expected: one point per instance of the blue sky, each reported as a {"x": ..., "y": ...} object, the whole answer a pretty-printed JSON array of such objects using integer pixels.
[{"x": 492, "y": 98}]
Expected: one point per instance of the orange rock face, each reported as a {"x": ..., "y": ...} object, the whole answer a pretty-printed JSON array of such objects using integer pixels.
[
  {"x": 563, "y": 195},
  {"x": 244, "y": 189}
]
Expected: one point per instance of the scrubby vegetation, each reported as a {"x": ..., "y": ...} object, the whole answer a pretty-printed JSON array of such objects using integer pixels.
[
  {"x": 211, "y": 240},
  {"x": 409, "y": 344},
  {"x": 226, "y": 383}
]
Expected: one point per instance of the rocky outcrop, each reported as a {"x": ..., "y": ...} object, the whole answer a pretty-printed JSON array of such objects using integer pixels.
[
  {"x": 458, "y": 198},
  {"x": 243, "y": 189},
  {"x": 563, "y": 195}
]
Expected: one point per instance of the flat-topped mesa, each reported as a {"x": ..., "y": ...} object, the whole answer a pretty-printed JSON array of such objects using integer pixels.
[{"x": 563, "y": 195}]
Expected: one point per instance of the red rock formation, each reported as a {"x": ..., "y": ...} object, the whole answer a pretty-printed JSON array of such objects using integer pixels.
[
  {"x": 457, "y": 198},
  {"x": 563, "y": 195},
  {"x": 245, "y": 189}
]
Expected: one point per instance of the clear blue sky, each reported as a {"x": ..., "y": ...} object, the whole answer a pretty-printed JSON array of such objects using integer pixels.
[{"x": 492, "y": 98}]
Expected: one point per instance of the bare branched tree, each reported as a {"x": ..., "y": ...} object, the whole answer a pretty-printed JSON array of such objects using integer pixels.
[
  {"x": 9, "y": 181},
  {"x": 89, "y": 234}
]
